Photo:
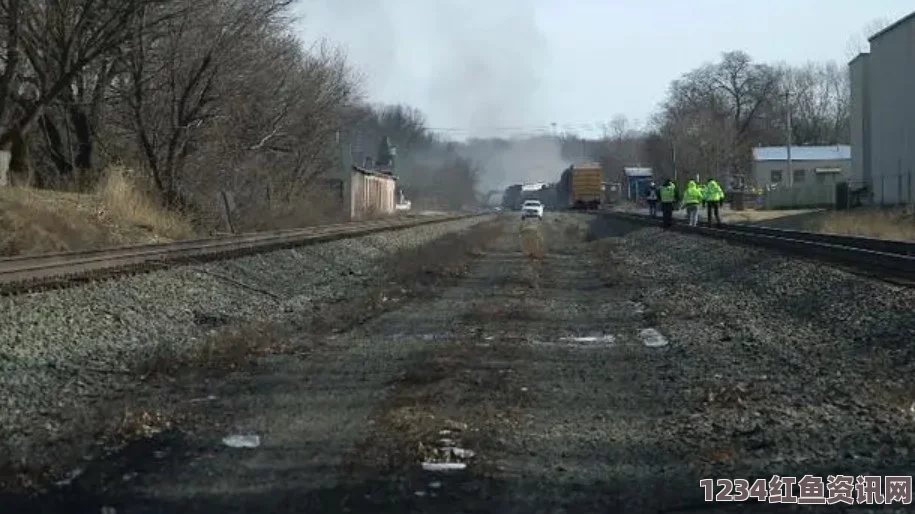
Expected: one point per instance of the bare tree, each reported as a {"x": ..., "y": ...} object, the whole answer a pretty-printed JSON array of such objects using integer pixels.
[
  {"x": 819, "y": 102},
  {"x": 174, "y": 74},
  {"x": 59, "y": 41}
]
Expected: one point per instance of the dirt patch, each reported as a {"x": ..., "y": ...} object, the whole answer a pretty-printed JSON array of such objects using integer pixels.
[
  {"x": 458, "y": 397},
  {"x": 489, "y": 312},
  {"x": 612, "y": 270}
]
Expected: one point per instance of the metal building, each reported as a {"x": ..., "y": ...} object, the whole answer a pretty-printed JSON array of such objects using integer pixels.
[
  {"x": 883, "y": 110},
  {"x": 372, "y": 193},
  {"x": 637, "y": 181},
  {"x": 810, "y": 165}
]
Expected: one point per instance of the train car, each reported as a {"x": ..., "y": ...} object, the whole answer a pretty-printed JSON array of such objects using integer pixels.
[
  {"x": 511, "y": 199},
  {"x": 580, "y": 187}
]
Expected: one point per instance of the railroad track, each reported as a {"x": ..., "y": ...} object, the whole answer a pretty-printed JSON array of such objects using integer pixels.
[
  {"x": 36, "y": 272},
  {"x": 893, "y": 261}
]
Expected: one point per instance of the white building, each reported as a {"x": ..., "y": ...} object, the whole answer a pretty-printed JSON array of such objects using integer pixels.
[{"x": 809, "y": 165}]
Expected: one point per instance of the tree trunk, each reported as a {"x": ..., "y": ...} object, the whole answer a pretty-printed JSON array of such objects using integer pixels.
[{"x": 56, "y": 147}]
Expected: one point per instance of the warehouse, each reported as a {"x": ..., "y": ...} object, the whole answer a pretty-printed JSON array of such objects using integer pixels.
[{"x": 882, "y": 110}]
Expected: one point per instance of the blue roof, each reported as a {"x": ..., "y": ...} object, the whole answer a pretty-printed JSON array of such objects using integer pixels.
[{"x": 803, "y": 153}]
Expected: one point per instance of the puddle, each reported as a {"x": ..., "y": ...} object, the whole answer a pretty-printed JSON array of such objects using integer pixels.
[{"x": 652, "y": 338}]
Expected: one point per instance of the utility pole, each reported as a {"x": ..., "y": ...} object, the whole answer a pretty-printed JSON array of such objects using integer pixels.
[
  {"x": 673, "y": 151},
  {"x": 790, "y": 178}
]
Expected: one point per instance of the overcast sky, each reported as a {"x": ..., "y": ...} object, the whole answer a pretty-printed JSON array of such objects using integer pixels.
[{"x": 503, "y": 67}]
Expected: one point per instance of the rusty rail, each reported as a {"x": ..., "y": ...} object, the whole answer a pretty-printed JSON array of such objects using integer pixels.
[{"x": 29, "y": 272}]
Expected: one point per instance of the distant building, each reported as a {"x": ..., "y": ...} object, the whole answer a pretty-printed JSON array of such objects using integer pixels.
[
  {"x": 883, "y": 114},
  {"x": 809, "y": 165},
  {"x": 372, "y": 193},
  {"x": 637, "y": 180}
]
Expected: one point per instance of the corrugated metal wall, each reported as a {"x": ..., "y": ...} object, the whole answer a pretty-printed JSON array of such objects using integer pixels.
[
  {"x": 371, "y": 195},
  {"x": 891, "y": 77}
]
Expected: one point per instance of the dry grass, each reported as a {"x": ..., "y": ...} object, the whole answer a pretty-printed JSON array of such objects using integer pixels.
[
  {"x": 532, "y": 243},
  {"x": 883, "y": 224},
  {"x": 317, "y": 208},
  {"x": 34, "y": 221},
  {"x": 126, "y": 200},
  {"x": 753, "y": 215}
]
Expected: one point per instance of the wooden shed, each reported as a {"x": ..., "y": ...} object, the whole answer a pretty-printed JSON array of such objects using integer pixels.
[{"x": 372, "y": 193}]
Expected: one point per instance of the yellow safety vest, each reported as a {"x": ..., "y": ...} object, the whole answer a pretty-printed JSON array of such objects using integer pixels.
[{"x": 668, "y": 193}]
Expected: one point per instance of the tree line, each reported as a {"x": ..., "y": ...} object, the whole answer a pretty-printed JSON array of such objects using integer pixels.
[
  {"x": 714, "y": 115},
  {"x": 195, "y": 96}
]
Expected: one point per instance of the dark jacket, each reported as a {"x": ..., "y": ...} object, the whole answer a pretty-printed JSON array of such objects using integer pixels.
[{"x": 657, "y": 194}]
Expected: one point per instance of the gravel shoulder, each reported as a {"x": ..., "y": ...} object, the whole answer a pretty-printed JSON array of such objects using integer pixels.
[
  {"x": 74, "y": 363},
  {"x": 609, "y": 373}
]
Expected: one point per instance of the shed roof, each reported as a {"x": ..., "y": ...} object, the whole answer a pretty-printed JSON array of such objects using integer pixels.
[
  {"x": 637, "y": 172},
  {"x": 375, "y": 173},
  {"x": 803, "y": 153},
  {"x": 900, "y": 22}
]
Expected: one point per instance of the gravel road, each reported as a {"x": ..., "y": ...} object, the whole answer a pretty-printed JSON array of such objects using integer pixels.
[
  {"x": 63, "y": 352},
  {"x": 611, "y": 375}
]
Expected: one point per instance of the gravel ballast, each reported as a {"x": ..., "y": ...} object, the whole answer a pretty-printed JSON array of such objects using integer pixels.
[
  {"x": 62, "y": 349},
  {"x": 602, "y": 375},
  {"x": 782, "y": 365}
]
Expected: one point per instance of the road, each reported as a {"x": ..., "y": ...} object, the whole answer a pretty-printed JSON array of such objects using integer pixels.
[{"x": 612, "y": 375}]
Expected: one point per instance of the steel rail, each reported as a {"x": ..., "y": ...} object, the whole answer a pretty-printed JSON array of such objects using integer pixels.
[
  {"x": 878, "y": 257},
  {"x": 36, "y": 269}
]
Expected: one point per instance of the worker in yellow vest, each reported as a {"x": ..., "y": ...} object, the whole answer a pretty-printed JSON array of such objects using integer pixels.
[
  {"x": 692, "y": 197},
  {"x": 669, "y": 198},
  {"x": 714, "y": 196}
]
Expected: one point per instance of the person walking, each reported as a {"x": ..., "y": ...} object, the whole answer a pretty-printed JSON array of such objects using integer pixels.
[
  {"x": 669, "y": 196},
  {"x": 714, "y": 196},
  {"x": 692, "y": 197},
  {"x": 652, "y": 199}
]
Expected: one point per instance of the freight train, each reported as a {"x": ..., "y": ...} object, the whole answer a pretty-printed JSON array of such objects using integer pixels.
[{"x": 580, "y": 187}]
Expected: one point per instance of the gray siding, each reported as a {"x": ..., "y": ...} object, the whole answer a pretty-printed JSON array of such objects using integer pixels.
[
  {"x": 892, "y": 120},
  {"x": 860, "y": 119},
  {"x": 762, "y": 172}
]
